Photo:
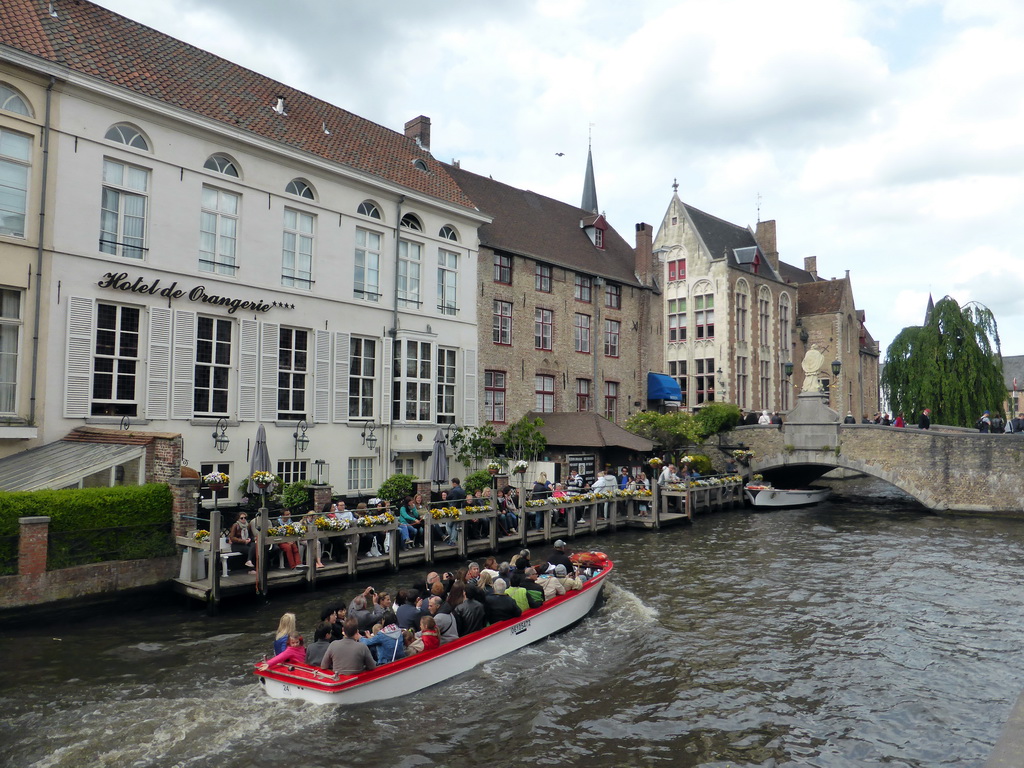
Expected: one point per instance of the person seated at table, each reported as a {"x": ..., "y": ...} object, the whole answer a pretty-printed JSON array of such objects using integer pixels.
[
  {"x": 348, "y": 656},
  {"x": 294, "y": 652},
  {"x": 386, "y": 640},
  {"x": 499, "y": 606},
  {"x": 241, "y": 541},
  {"x": 323, "y": 635}
]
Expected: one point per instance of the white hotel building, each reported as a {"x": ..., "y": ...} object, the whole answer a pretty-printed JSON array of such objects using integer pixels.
[{"x": 185, "y": 243}]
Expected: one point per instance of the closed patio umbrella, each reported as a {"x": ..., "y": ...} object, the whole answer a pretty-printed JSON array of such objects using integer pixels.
[
  {"x": 439, "y": 460},
  {"x": 259, "y": 461}
]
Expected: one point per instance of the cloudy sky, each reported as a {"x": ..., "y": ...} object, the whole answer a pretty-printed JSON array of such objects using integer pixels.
[{"x": 886, "y": 137}]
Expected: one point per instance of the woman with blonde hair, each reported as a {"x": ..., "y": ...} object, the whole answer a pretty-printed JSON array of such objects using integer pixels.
[{"x": 285, "y": 627}]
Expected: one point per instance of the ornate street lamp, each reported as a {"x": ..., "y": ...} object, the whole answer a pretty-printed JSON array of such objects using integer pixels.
[
  {"x": 837, "y": 366},
  {"x": 220, "y": 439},
  {"x": 369, "y": 438},
  {"x": 788, "y": 368},
  {"x": 301, "y": 441}
]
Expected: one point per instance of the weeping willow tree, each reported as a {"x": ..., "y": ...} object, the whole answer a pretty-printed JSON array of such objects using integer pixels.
[{"x": 951, "y": 364}]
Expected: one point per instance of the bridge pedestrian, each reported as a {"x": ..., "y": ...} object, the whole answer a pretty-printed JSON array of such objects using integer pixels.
[
  {"x": 925, "y": 422},
  {"x": 985, "y": 423}
]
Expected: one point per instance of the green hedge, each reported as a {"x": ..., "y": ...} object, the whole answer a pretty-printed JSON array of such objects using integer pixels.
[{"x": 77, "y": 508}]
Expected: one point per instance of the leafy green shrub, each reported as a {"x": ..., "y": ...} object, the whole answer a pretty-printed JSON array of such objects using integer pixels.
[
  {"x": 702, "y": 464},
  {"x": 396, "y": 488},
  {"x": 296, "y": 497},
  {"x": 477, "y": 481}
]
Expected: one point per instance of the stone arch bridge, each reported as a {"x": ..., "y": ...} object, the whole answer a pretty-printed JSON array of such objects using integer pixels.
[{"x": 946, "y": 469}]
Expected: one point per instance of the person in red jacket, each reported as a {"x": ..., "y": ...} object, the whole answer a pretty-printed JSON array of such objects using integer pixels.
[
  {"x": 428, "y": 633},
  {"x": 294, "y": 652}
]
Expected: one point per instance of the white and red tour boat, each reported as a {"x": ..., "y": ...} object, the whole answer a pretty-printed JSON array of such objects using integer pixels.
[
  {"x": 413, "y": 673},
  {"x": 761, "y": 495}
]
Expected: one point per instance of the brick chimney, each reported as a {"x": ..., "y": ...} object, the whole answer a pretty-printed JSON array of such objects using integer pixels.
[
  {"x": 644, "y": 253},
  {"x": 419, "y": 129},
  {"x": 766, "y": 240},
  {"x": 811, "y": 265}
]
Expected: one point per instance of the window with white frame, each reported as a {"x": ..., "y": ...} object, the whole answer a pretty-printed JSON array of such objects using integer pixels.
[
  {"x": 218, "y": 231},
  {"x": 677, "y": 319},
  {"x": 129, "y": 135},
  {"x": 544, "y": 387},
  {"x": 611, "y": 400},
  {"x": 582, "y": 288},
  {"x": 297, "y": 249},
  {"x": 502, "y": 269},
  {"x": 409, "y": 256},
  {"x": 502, "y": 317},
  {"x": 543, "y": 328},
  {"x": 368, "y": 208},
  {"x": 411, "y": 221},
  {"x": 764, "y": 317},
  {"x": 445, "y": 386},
  {"x": 292, "y": 470},
  {"x": 447, "y": 282},
  {"x": 581, "y": 332},
  {"x": 494, "y": 396},
  {"x": 360, "y": 474},
  {"x": 115, "y": 365},
  {"x": 206, "y": 468},
  {"x": 542, "y": 278},
  {"x": 15, "y": 155},
  {"x": 611, "y": 338},
  {"x": 704, "y": 316},
  {"x": 742, "y": 382},
  {"x": 677, "y": 370},
  {"x": 12, "y": 101},
  {"x": 10, "y": 347},
  {"x": 221, "y": 164},
  {"x": 447, "y": 232},
  {"x": 299, "y": 188},
  {"x": 584, "y": 403},
  {"x": 413, "y": 384},
  {"x": 362, "y": 373},
  {"x": 123, "y": 212},
  {"x": 292, "y": 368},
  {"x": 366, "y": 283},
  {"x": 405, "y": 466},
  {"x": 766, "y": 385},
  {"x": 213, "y": 366}
]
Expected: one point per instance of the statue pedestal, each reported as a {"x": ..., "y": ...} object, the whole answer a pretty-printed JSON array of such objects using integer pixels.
[{"x": 812, "y": 425}]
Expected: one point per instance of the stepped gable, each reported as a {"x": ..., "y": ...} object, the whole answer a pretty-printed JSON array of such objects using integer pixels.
[
  {"x": 92, "y": 41},
  {"x": 538, "y": 227}
]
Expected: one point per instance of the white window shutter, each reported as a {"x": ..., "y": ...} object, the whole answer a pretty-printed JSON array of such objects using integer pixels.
[
  {"x": 158, "y": 383},
  {"x": 269, "y": 348},
  {"x": 342, "y": 352},
  {"x": 78, "y": 358},
  {"x": 387, "y": 364},
  {"x": 183, "y": 364},
  {"x": 248, "y": 369},
  {"x": 322, "y": 378},
  {"x": 470, "y": 416}
]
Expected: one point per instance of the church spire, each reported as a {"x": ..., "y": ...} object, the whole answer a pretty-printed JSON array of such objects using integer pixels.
[
  {"x": 589, "y": 185},
  {"x": 929, "y": 309}
]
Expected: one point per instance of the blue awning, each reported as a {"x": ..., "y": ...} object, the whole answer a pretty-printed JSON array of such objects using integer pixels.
[{"x": 661, "y": 386}]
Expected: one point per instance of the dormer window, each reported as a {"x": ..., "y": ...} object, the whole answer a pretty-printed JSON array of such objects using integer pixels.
[{"x": 598, "y": 237}]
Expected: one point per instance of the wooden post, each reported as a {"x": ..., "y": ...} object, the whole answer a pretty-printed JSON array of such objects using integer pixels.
[
  {"x": 261, "y": 551},
  {"x": 213, "y": 592}
]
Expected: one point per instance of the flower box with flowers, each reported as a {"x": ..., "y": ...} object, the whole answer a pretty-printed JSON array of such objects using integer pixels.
[
  {"x": 639, "y": 493},
  {"x": 334, "y": 523},
  {"x": 262, "y": 479},
  {"x": 216, "y": 480},
  {"x": 284, "y": 532},
  {"x": 520, "y": 467},
  {"x": 655, "y": 462},
  {"x": 376, "y": 521},
  {"x": 446, "y": 513},
  {"x": 199, "y": 539}
]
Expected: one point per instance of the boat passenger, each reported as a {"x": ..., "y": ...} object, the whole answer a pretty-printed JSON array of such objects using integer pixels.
[
  {"x": 472, "y": 573},
  {"x": 534, "y": 591},
  {"x": 322, "y": 638},
  {"x": 446, "y": 626},
  {"x": 505, "y": 571},
  {"x": 348, "y": 656},
  {"x": 365, "y": 613},
  {"x": 405, "y": 609},
  {"x": 490, "y": 566},
  {"x": 413, "y": 644},
  {"x": 499, "y": 606},
  {"x": 486, "y": 583},
  {"x": 552, "y": 587},
  {"x": 569, "y": 582},
  {"x": 559, "y": 556},
  {"x": 294, "y": 652},
  {"x": 469, "y": 614},
  {"x": 387, "y": 641},
  {"x": 522, "y": 562},
  {"x": 285, "y": 627},
  {"x": 429, "y": 635}
]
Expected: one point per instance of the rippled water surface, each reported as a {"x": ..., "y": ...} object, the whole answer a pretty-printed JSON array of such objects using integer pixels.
[{"x": 860, "y": 632}]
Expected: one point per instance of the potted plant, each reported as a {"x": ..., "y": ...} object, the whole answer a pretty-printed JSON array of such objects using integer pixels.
[{"x": 216, "y": 481}]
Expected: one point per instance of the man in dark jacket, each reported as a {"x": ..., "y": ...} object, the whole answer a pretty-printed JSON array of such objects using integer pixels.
[
  {"x": 534, "y": 591},
  {"x": 322, "y": 637},
  {"x": 457, "y": 494},
  {"x": 499, "y": 606},
  {"x": 925, "y": 422},
  {"x": 469, "y": 614},
  {"x": 559, "y": 556}
]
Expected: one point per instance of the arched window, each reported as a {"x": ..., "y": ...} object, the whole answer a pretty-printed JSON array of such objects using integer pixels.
[
  {"x": 448, "y": 233},
  {"x": 410, "y": 221},
  {"x": 299, "y": 188},
  {"x": 764, "y": 316},
  {"x": 785, "y": 331},
  {"x": 221, "y": 164},
  {"x": 419, "y": 164},
  {"x": 742, "y": 309},
  {"x": 123, "y": 133},
  {"x": 12, "y": 101},
  {"x": 368, "y": 208}
]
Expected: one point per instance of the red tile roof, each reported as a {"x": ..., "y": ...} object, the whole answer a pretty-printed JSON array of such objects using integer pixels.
[{"x": 96, "y": 42}]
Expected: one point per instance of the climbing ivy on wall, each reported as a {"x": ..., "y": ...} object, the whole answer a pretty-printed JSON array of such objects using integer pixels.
[{"x": 952, "y": 364}]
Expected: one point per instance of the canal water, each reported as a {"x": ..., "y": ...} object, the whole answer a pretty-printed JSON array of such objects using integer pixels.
[{"x": 860, "y": 632}]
